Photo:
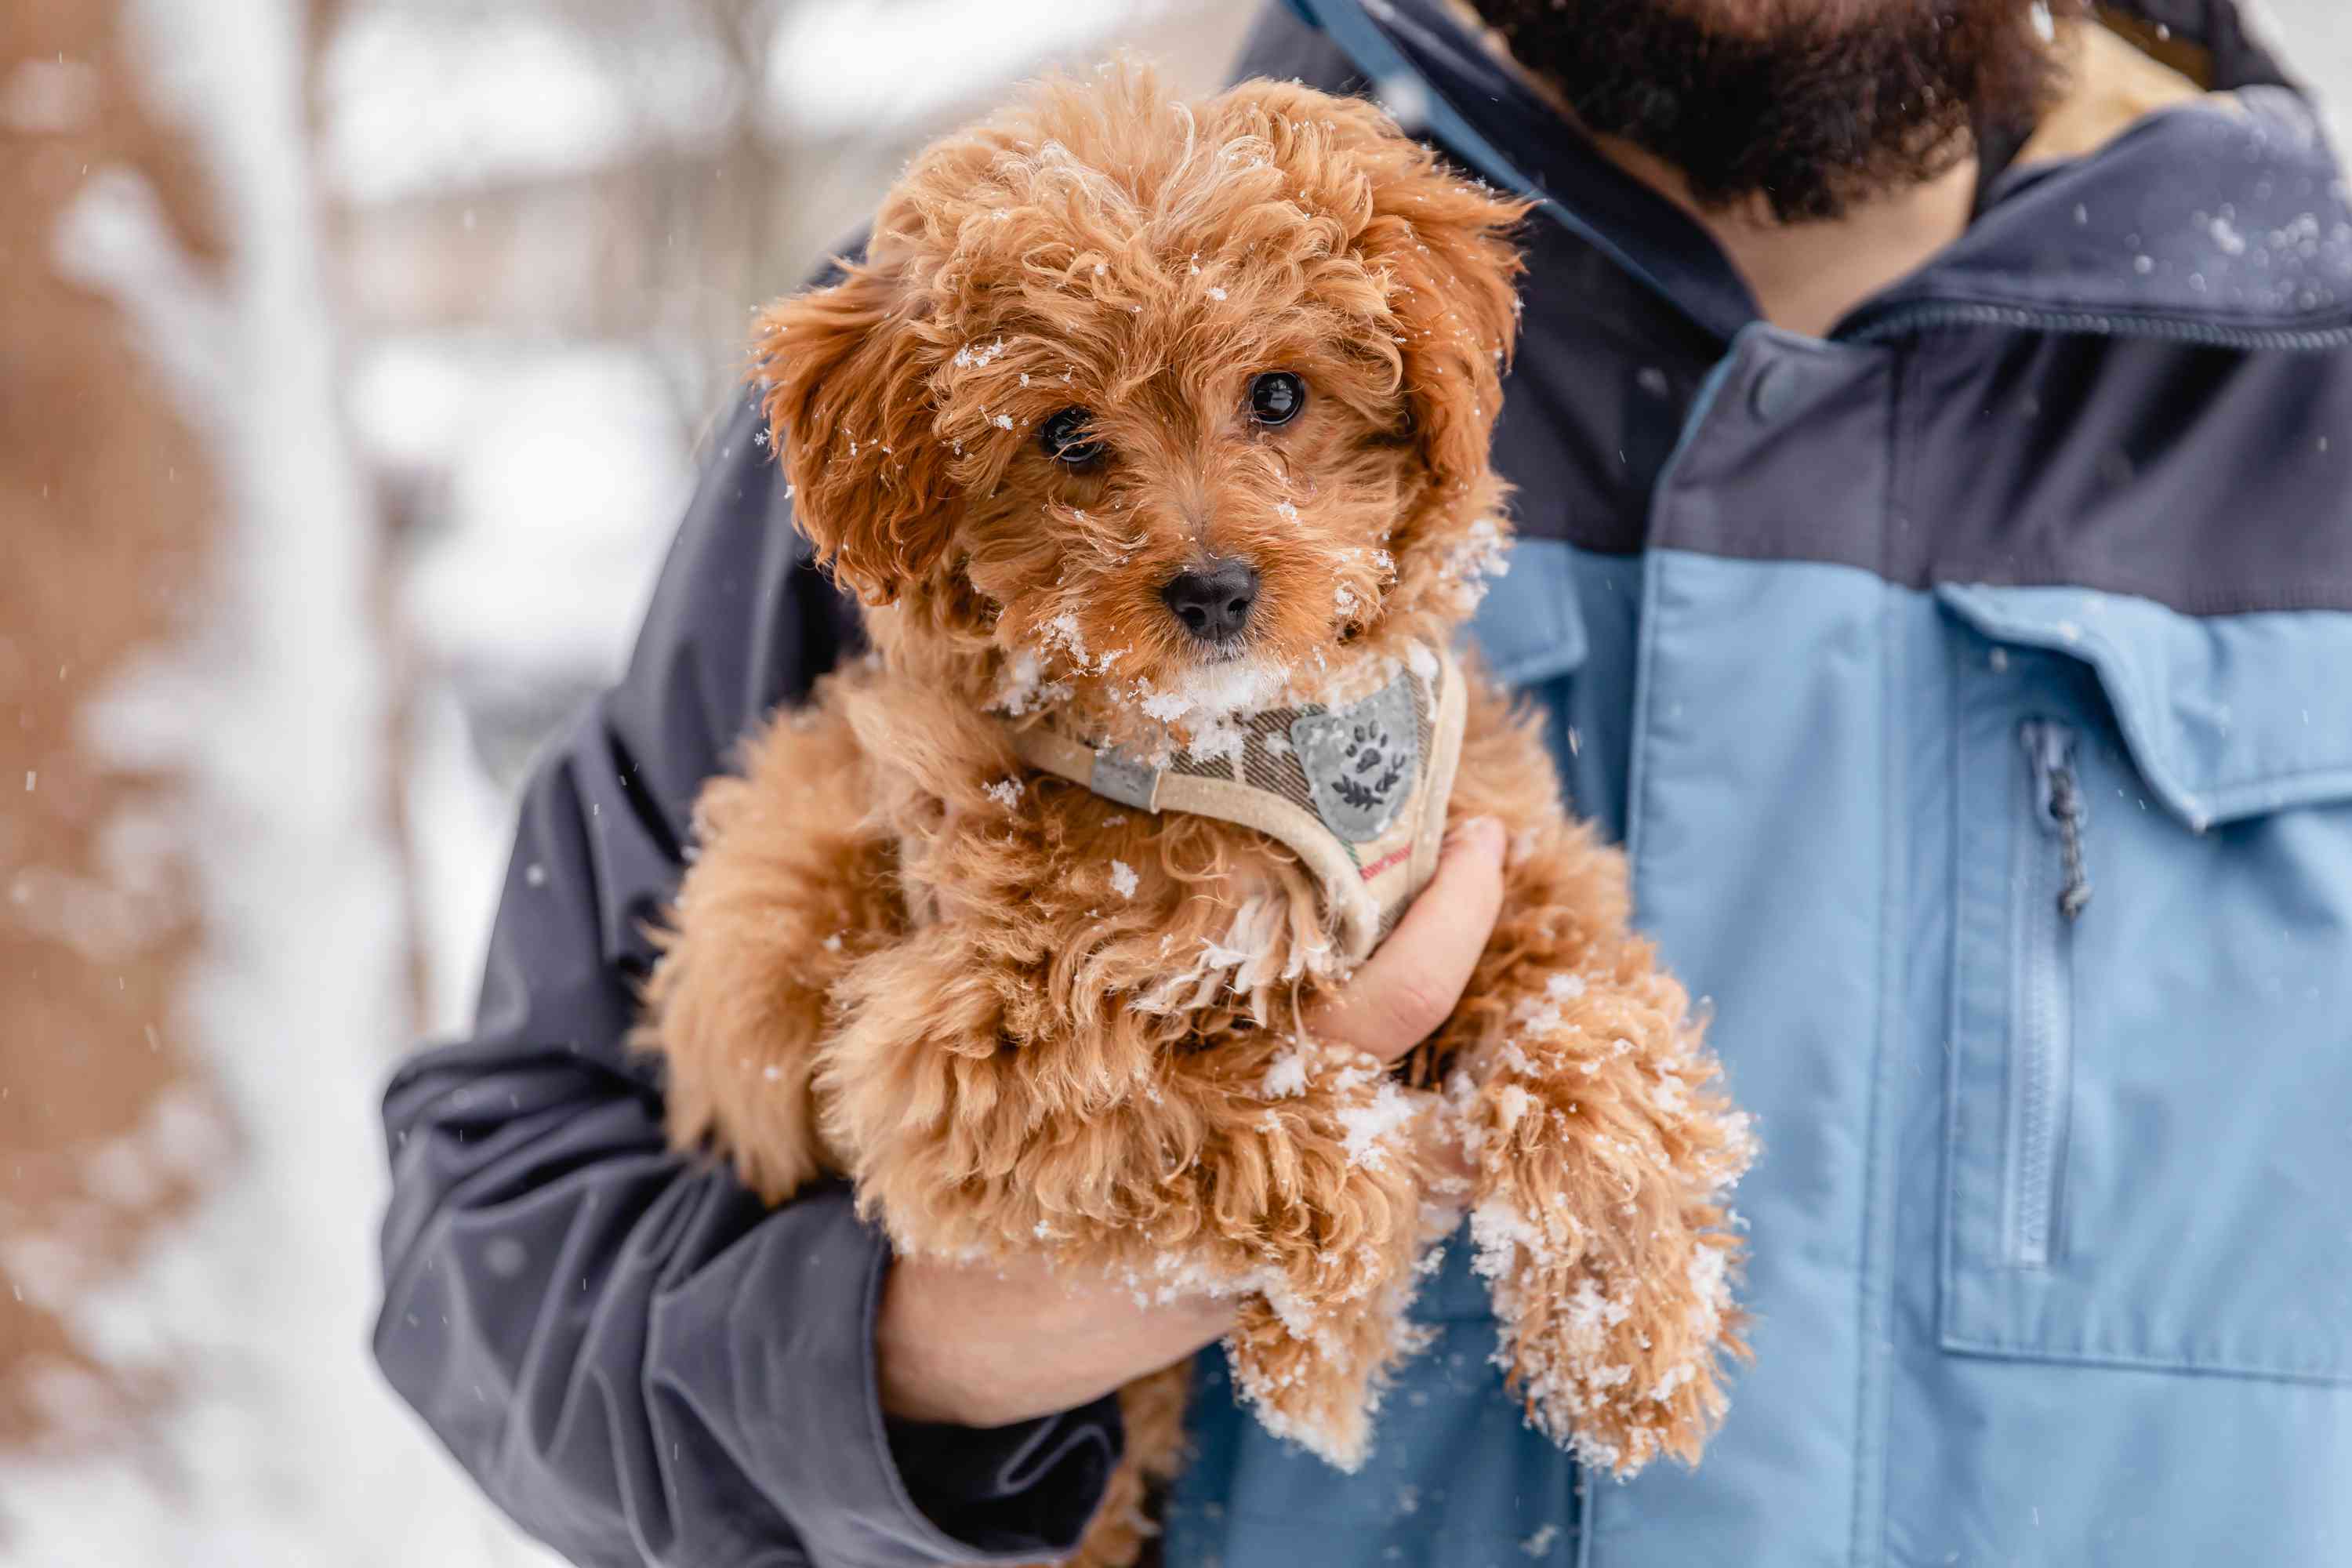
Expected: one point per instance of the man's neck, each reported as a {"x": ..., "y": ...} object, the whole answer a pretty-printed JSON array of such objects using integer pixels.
[{"x": 1807, "y": 276}]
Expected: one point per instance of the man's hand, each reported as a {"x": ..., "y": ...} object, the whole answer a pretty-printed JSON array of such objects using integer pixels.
[{"x": 984, "y": 1344}]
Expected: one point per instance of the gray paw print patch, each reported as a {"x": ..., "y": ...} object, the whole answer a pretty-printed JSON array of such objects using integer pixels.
[{"x": 1360, "y": 760}]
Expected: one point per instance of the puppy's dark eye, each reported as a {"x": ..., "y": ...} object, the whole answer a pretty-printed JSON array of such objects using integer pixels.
[
  {"x": 1065, "y": 439},
  {"x": 1276, "y": 398}
]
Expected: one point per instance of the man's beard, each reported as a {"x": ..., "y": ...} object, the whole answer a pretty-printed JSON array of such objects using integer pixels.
[{"x": 1810, "y": 113}]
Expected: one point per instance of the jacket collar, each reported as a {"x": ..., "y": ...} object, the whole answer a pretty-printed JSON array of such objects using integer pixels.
[{"x": 2225, "y": 219}]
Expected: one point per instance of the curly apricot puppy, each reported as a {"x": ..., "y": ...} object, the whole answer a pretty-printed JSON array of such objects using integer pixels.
[{"x": 1155, "y": 435}]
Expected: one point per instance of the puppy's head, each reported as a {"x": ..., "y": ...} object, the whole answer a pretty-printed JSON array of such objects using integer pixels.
[{"x": 1154, "y": 409}]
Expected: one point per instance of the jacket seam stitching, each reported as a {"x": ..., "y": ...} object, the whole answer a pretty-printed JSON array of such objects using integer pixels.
[
  {"x": 2181, "y": 1366},
  {"x": 1864, "y": 1544},
  {"x": 2325, "y": 595},
  {"x": 1637, "y": 816}
]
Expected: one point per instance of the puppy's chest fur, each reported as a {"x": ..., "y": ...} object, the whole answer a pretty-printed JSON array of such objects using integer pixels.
[
  {"x": 895, "y": 937},
  {"x": 1185, "y": 924},
  {"x": 1246, "y": 878}
]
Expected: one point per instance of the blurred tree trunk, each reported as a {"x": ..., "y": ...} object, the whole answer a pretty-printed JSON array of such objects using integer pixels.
[
  {"x": 189, "y": 694},
  {"x": 107, "y": 515}
]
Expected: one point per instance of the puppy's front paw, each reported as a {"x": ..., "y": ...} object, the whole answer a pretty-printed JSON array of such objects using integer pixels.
[
  {"x": 1603, "y": 1156},
  {"x": 1339, "y": 1153},
  {"x": 1316, "y": 1379}
]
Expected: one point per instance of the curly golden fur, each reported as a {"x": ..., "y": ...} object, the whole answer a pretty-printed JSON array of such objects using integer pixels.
[{"x": 1013, "y": 1011}]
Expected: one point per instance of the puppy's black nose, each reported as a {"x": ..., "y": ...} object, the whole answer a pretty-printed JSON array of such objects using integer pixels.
[{"x": 1214, "y": 602}]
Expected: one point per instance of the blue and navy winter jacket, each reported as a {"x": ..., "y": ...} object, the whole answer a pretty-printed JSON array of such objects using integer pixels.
[{"x": 1972, "y": 691}]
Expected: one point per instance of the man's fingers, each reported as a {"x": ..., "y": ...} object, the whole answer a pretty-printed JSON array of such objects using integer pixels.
[{"x": 1408, "y": 986}]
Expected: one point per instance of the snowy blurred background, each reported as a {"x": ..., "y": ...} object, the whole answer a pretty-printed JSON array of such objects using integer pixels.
[{"x": 354, "y": 356}]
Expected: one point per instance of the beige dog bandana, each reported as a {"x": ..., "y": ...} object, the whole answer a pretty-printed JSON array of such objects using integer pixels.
[{"x": 1357, "y": 790}]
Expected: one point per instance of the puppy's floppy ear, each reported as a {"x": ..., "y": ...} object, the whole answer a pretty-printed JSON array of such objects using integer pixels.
[
  {"x": 846, "y": 379},
  {"x": 1443, "y": 247},
  {"x": 1453, "y": 272}
]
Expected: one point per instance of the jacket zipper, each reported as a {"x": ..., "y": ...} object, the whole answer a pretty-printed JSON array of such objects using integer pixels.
[{"x": 2054, "y": 885}]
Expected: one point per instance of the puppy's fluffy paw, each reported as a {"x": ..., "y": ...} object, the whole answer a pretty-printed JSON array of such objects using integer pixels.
[
  {"x": 1321, "y": 1389},
  {"x": 1605, "y": 1154}
]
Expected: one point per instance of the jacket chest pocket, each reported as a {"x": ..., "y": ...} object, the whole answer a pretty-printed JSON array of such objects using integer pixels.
[{"x": 2150, "y": 1112}]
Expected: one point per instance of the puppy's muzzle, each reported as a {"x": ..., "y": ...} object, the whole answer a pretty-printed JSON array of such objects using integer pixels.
[{"x": 1214, "y": 602}]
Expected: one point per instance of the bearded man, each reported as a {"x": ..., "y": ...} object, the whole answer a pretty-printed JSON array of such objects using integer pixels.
[{"x": 1930, "y": 427}]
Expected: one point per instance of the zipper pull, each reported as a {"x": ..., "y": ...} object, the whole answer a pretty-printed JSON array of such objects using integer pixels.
[{"x": 2058, "y": 801}]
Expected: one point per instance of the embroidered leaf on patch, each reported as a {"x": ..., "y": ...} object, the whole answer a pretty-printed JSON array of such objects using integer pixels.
[{"x": 1360, "y": 760}]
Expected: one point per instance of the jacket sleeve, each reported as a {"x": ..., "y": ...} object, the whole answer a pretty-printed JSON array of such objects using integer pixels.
[{"x": 635, "y": 1360}]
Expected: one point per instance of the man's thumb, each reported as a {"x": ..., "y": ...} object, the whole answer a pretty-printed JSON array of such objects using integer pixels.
[{"x": 1409, "y": 985}]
